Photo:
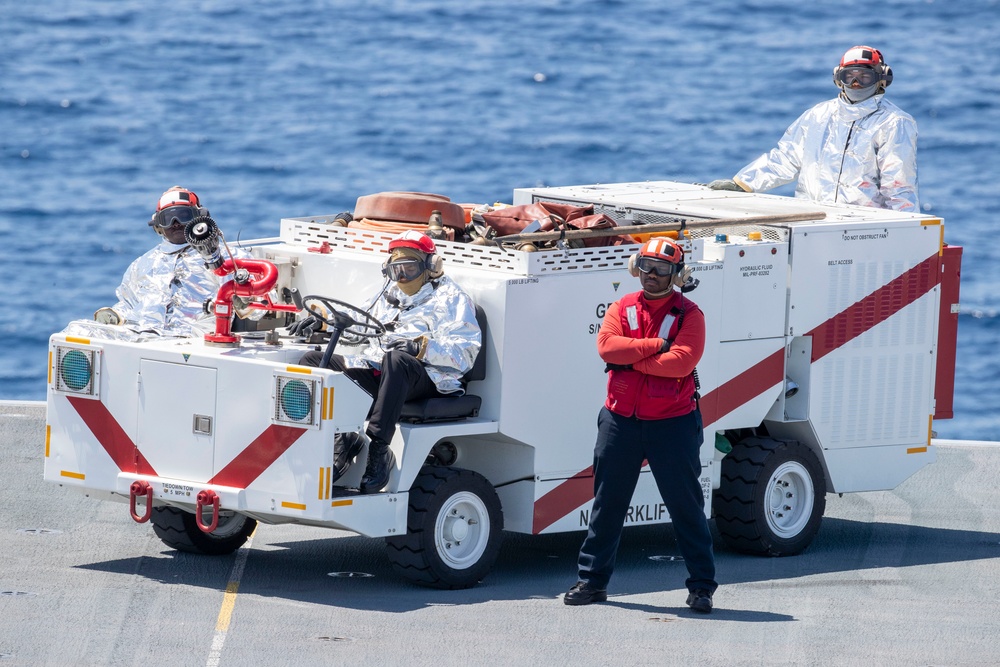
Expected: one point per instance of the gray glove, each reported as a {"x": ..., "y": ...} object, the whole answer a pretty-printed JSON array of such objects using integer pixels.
[
  {"x": 726, "y": 184},
  {"x": 108, "y": 315},
  {"x": 306, "y": 326},
  {"x": 410, "y": 347}
]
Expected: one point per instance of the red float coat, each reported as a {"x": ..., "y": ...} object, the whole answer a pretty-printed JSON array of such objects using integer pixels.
[{"x": 658, "y": 386}]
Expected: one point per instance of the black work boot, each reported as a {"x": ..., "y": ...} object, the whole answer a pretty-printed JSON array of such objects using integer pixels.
[
  {"x": 346, "y": 447},
  {"x": 700, "y": 601},
  {"x": 380, "y": 463}
]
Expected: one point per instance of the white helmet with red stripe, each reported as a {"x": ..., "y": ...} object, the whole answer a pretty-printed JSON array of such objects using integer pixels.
[
  {"x": 860, "y": 68},
  {"x": 176, "y": 205}
]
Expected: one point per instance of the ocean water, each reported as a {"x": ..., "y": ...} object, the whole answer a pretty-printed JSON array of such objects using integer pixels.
[{"x": 279, "y": 109}]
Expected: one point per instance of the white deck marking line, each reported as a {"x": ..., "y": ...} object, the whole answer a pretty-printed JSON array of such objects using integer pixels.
[{"x": 228, "y": 603}]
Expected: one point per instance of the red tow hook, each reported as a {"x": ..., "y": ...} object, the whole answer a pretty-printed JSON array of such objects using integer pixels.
[
  {"x": 207, "y": 497},
  {"x": 140, "y": 488}
]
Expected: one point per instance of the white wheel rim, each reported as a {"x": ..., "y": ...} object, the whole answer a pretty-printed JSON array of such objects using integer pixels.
[
  {"x": 462, "y": 530},
  {"x": 790, "y": 498}
]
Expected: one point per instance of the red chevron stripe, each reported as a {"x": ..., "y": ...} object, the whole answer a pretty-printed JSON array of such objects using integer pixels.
[
  {"x": 111, "y": 435},
  {"x": 239, "y": 473},
  {"x": 834, "y": 333},
  {"x": 258, "y": 456},
  {"x": 875, "y": 308}
]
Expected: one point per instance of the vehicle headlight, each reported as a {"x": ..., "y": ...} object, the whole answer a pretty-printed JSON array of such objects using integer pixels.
[
  {"x": 77, "y": 370},
  {"x": 296, "y": 400}
]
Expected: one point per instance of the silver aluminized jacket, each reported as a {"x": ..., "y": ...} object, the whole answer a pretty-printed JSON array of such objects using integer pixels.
[
  {"x": 864, "y": 153},
  {"x": 162, "y": 293},
  {"x": 443, "y": 314}
]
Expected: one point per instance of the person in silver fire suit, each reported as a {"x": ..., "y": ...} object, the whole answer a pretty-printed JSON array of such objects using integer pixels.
[
  {"x": 857, "y": 148},
  {"x": 163, "y": 292},
  {"x": 432, "y": 339}
]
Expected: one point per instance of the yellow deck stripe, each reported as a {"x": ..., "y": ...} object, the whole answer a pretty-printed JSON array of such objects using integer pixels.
[
  {"x": 293, "y": 506},
  {"x": 228, "y": 604},
  {"x": 73, "y": 475},
  {"x": 48, "y": 439},
  {"x": 299, "y": 369},
  {"x": 916, "y": 450},
  {"x": 341, "y": 503},
  {"x": 322, "y": 477},
  {"x": 75, "y": 339}
]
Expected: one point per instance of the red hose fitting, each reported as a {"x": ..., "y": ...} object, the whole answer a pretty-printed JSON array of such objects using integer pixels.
[
  {"x": 140, "y": 488},
  {"x": 263, "y": 276},
  {"x": 207, "y": 497}
]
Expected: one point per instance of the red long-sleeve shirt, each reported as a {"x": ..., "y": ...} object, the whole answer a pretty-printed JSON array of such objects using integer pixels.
[{"x": 616, "y": 347}]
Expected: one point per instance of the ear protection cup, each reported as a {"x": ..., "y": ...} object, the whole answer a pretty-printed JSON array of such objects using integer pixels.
[
  {"x": 633, "y": 269},
  {"x": 886, "y": 76}
]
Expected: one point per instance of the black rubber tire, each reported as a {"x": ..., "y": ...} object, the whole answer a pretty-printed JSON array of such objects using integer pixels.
[
  {"x": 445, "y": 503},
  {"x": 179, "y": 530},
  {"x": 772, "y": 497}
]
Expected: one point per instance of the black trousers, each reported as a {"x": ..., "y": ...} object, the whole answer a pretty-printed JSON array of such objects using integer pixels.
[
  {"x": 403, "y": 378},
  {"x": 671, "y": 446}
]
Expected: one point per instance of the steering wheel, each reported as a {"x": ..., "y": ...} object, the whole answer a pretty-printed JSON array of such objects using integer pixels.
[{"x": 343, "y": 317}]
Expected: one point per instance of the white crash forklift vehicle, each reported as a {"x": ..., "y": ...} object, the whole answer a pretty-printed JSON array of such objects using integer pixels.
[{"x": 830, "y": 351}]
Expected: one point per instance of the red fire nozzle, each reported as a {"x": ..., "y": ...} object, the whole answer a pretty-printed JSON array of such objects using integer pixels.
[{"x": 262, "y": 277}]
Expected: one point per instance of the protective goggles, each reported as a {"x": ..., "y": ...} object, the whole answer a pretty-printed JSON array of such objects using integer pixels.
[
  {"x": 404, "y": 269},
  {"x": 657, "y": 266},
  {"x": 865, "y": 76},
  {"x": 174, "y": 214}
]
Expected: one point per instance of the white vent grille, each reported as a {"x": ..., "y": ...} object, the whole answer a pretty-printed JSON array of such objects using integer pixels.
[
  {"x": 315, "y": 233},
  {"x": 297, "y": 400},
  {"x": 77, "y": 370}
]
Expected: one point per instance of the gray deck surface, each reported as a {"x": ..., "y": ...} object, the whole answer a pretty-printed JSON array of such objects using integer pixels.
[{"x": 907, "y": 577}]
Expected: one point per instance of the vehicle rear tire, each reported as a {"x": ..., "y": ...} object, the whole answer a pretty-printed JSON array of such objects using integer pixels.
[
  {"x": 179, "y": 530},
  {"x": 454, "y": 524},
  {"x": 772, "y": 497}
]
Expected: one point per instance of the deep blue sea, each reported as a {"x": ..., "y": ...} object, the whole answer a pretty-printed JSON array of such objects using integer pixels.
[{"x": 278, "y": 109}]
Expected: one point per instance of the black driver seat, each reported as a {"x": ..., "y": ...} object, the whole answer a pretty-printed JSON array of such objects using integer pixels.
[{"x": 452, "y": 408}]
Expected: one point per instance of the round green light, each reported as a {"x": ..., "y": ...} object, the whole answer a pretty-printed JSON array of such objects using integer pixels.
[
  {"x": 296, "y": 399},
  {"x": 75, "y": 370}
]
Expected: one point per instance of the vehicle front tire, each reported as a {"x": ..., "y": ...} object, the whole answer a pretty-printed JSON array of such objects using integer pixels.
[
  {"x": 454, "y": 524},
  {"x": 772, "y": 497},
  {"x": 179, "y": 530}
]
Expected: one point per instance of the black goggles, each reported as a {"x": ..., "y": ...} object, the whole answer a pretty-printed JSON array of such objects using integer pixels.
[
  {"x": 404, "y": 269},
  {"x": 174, "y": 215},
  {"x": 865, "y": 76},
  {"x": 657, "y": 266}
]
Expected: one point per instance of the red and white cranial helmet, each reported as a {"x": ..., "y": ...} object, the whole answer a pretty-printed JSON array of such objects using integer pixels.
[
  {"x": 177, "y": 196},
  {"x": 176, "y": 205},
  {"x": 415, "y": 240},
  {"x": 663, "y": 249},
  {"x": 862, "y": 55},
  {"x": 864, "y": 64}
]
